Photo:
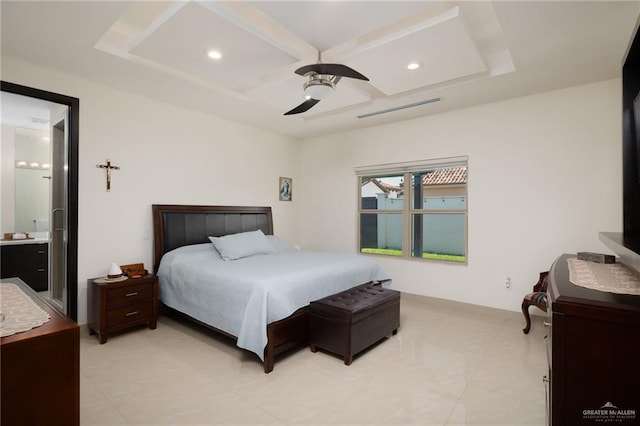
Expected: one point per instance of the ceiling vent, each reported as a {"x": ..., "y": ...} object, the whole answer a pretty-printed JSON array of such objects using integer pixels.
[
  {"x": 398, "y": 108},
  {"x": 39, "y": 120}
]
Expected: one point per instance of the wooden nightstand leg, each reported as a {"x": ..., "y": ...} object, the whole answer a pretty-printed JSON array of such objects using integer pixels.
[
  {"x": 103, "y": 339},
  {"x": 153, "y": 325}
]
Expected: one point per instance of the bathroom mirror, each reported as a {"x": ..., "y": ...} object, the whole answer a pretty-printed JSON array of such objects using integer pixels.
[
  {"x": 26, "y": 163},
  {"x": 32, "y": 180}
]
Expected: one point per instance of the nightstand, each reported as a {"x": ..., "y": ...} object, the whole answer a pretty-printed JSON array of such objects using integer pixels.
[{"x": 118, "y": 306}]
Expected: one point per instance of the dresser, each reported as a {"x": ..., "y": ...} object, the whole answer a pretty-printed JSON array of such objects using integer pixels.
[
  {"x": 119, "y": 306},
  {"x": 28, "y": 260},
  {"x": 593, "y": 351},
  {"x": 41, "y": 371}
]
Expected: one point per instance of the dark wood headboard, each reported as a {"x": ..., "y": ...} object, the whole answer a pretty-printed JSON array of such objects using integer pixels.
[{"x": 181, "y": 225}]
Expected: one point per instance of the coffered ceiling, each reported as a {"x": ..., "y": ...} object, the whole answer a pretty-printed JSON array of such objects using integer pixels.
[{"x": 468, "y": 53}]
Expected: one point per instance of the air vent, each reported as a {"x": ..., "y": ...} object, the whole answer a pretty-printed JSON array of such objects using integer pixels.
[
  {"x": 415, "y": 104},
  {"x": 39, "y": 120}
]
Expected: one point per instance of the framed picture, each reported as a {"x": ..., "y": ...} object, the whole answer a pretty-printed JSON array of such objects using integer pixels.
[{"x": 286, "y": 189}]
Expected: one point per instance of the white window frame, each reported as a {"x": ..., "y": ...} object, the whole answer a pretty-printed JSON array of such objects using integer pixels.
[{"x": 406, "y": 169}]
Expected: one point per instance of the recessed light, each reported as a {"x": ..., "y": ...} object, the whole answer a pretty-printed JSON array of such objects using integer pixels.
[
  {"x": 214, "y": 54},
  {"x": 413, "y": 66}
]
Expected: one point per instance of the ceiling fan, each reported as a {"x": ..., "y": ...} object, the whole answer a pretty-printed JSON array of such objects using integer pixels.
[{"x": 322, "y": 82}]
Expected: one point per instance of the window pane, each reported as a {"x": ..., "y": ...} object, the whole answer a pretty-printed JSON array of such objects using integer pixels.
[
  {"x": 438, "y": 236},
  {"x": 440, "y": 189},
  {"x": 445, "y": 202},
  {"x": 376, "y": 192},
  {"x": 381, "y": 233}
]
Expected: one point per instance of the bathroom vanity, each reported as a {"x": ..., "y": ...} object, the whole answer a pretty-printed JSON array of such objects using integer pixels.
[{"x": 28, "y": 260}]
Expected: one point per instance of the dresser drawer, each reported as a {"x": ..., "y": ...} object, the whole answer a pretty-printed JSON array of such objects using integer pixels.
[
  {"x": 129, "y": 294},
  {"x": 131, "y": 313}
]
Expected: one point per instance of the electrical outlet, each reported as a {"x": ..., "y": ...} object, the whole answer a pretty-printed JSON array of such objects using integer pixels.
[{"x": 507, "y": 283}]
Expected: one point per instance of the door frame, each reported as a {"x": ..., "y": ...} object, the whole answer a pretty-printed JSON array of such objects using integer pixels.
[{"x": 72, "y": 184}]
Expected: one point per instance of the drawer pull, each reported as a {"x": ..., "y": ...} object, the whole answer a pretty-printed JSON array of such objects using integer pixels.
[
  {"x": 135, "y": 293},
  {"x": 40, "y": 251},
  {"x": 40, "y": 269},
  {"x": 131, "y": 314},
  {"x": 546, "y": 324}
]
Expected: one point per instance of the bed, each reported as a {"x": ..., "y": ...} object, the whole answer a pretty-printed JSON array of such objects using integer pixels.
[{"x": 261, "y": 301}]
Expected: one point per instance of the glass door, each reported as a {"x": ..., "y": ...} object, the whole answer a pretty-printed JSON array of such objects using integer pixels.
[{"x": 59, "y": 207}]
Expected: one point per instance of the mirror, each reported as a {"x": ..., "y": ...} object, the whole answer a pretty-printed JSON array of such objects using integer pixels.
[
  {"x": 26, "y": 158},
  {"x": 32, "y": 178}
]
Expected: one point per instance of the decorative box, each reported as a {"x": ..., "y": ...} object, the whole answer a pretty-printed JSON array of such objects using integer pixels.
[{"x": 596, "y": 257}]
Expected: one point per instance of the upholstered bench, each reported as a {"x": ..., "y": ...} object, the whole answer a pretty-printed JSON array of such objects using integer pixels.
[{"x": 348, "y": 322}]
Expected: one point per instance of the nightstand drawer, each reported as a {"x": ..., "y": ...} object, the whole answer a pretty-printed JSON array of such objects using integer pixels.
[
  {"x": 131, "y": 313},
  {"x": 130, "y": 294}
]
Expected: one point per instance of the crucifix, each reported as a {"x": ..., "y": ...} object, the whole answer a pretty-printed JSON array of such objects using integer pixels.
[{"x": 108, "y": 167}]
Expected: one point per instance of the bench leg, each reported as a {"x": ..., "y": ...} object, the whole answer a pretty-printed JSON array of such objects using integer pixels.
[
  {"x": 348, "y": 359},
  {"x": 314, "y": 349}
]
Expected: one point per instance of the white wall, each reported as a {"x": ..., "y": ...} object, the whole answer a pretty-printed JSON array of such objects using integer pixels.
[
  {"x": 544, "y": 179},
  {"x": 167, "y": 155}
]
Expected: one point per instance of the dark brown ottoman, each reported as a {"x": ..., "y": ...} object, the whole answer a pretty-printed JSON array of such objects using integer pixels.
[{"x": 351, "y": 321}]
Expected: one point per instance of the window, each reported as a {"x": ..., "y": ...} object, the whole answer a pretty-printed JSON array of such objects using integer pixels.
[{"x": 414, "y": 210}]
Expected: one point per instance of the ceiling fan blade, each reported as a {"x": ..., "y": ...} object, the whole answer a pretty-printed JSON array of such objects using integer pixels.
[
  {"x": 305, "y": 106},
  {"x": 331, "y": 69}
]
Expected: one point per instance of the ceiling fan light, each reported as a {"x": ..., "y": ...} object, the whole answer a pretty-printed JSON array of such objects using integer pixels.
[{"x": 319, "y": 89}]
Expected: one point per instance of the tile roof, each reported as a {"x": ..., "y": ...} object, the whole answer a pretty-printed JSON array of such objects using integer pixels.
[
  {"x": 385, "y": 187},
  {"x": 443, "y": 176},
  {"x": 446, "y": 176},
  {"x": 388, "y": 187}
]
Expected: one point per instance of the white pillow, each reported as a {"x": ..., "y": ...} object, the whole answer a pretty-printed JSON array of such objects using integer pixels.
[
  {"x": 279, "y": 245},
  {"x": 244, "y": 244},
  {"x": 202, "y": 251}
]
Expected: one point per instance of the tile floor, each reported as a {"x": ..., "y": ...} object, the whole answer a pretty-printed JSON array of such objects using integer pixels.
[{"x": 450, "y": 364}]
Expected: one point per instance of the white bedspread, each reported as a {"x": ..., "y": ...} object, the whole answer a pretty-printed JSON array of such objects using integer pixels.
[{"x": 242, "y": 296}]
